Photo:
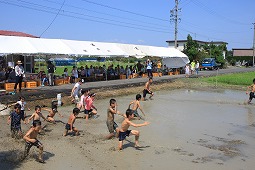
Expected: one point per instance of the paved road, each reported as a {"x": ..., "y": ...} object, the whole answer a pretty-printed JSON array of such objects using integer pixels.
[{"x": 52, "y": 91}]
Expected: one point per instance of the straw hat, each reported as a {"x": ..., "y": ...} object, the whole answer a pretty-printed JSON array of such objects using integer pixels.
[{"x": 19, "y": 62}]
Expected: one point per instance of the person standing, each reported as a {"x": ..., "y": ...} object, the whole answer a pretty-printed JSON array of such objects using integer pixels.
[
  {"x": 159, "y": 65},
  {"x": 149, "y": 68},
  {"x": 197, "y": 67},
  {"x": 51, "y": 69},
  {"x": 19, "y": 72},
  {"x": 192, "y": 66}
]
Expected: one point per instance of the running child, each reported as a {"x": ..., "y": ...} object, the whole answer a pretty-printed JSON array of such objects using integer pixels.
[
  {"x": 147, "y": 89},
  {"x": 14, "y": 119},
  {"x": 69, "y": 126},
  {"x": 84, "y": 96},
  {"x": 124, "y": 132},
  {"x": 31, "y": 140},
  {"x": 23, "y": 104},
  {"x": 136, "y": 105},
  {"x": 252, "y": 89},
  {"x": 52, "y": 112},
  {"x": 90, "y": 109},
  {"x": 112, "y": 126},
  {"x": 75, "y": 92},
  {"x": 36, "y": 115}
]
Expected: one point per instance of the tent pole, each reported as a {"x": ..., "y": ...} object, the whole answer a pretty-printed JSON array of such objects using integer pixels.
[{"x": 105, "y": 71}]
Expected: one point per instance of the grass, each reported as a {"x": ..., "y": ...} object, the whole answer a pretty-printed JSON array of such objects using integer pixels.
[{"x": 239, "y": 79}]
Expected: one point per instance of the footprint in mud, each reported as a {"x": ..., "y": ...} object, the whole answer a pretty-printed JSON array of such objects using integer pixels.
[{"x": 158, "y": 152}]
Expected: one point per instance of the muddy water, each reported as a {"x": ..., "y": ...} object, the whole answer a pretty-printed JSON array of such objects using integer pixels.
[{"x": 195, "y": 130}]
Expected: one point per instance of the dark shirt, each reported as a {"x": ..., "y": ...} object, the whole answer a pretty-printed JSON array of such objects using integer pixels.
[
  {"x": 15, "y": 119},
  {"x": 51, "y": 68}
]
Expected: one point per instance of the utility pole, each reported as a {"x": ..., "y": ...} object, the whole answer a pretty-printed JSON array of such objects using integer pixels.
[
  {"x": 174, "y": 17},
  {"x": 253, "y": 47}
]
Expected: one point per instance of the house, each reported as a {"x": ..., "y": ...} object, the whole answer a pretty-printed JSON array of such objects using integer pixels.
[
  {"x": 242, "y": 52},
  {"x": 181, "y": 44}
]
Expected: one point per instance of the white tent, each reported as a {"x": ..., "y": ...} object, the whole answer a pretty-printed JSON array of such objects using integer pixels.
[{"x": 25, "y": 45}]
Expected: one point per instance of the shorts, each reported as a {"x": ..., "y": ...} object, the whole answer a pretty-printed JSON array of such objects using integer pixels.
[
  {"x": 123, "y": 135},
  {"x": 111, "y": 126},
  {"x": 87, "y": 112},
  {"x": 37, "y": 143},
  {"x": 68, "y": 127},
  {"x": 145, "y": 91},
  {"x": 15, "y": 132},
  {"x": 136, "y": 114},
  {"x": 49, "y": 116}
]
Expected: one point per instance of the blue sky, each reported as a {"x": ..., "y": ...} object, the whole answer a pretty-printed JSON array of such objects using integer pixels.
[{"x": 132, "y": 21}]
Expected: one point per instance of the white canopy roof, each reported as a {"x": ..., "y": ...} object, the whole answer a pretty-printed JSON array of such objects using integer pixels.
[{"x": 27, "y": 45}]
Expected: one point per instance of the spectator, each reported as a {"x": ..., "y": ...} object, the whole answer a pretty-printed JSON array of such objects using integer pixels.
[
  {"x": 74, "y": 75},
  {"x": 19, "y": 71},
  {"x": 51, "y": 69},
  {"x": 149, "y": 68}
]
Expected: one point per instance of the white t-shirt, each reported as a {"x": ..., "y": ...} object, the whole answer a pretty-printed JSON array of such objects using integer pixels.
[
  {"x": 77, "y": 89},
  {"x": 22, "y": 104}
]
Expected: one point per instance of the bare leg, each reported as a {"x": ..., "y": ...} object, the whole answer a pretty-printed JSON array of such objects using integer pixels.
[
  {"x": 40, "y": 156},
  {"x": 110, "y": 136},
  {"x": 136, "y": 133},
  {"x": 120, "y": 145},
  {"x": 65, "y": 133}
]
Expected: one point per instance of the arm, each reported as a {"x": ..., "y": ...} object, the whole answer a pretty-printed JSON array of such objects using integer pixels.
[
  {"x": 60, "y": 114},
  {"x": 139, "y": 106},
  {"x": 248, "y": 88},
  {"x": 73, "y": 90},
  {"x": 31, "y": 117},
  {"x": 137, "y": 125},
  {"x": 26, "y": 137},
  {"x": 43, "y": 117},
  {"x": 49, "y": 110},
  {"x": 130, "y": 104}
]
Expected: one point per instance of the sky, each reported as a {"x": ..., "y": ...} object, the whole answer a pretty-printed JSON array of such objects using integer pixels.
[{"x": 140, "y": 22}]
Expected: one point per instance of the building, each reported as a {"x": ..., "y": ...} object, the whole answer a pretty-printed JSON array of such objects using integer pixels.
[
  {"x": 182, "y": 43},
  {"x": 242, "y": 52}
]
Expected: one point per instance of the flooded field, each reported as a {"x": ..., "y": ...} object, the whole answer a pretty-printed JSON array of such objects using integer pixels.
[{"x": 189, "y": 130}]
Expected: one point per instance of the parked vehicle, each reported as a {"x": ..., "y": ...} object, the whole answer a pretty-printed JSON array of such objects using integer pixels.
[{"x": 210, "y": 63}]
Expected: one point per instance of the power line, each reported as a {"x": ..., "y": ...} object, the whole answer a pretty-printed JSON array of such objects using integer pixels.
[
  {"x": 87, "y": 19},
  {"x": 53, "y": 19},
  {"x": 212, "y": 12},
  {"x": 126, "y": 11},
  {"x": 117, "y": 16}
]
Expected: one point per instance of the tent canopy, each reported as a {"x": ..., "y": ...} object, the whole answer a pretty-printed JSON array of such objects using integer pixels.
[{"x": 27, "y": 45}]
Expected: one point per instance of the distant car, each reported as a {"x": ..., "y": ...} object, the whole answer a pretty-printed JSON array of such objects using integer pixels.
[
  {"x": 248, "y": 64},
  {"x": 210, "y": 63}
]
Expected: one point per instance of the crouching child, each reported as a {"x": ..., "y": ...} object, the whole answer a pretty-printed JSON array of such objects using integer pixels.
[{"x": 69, "y": 126}]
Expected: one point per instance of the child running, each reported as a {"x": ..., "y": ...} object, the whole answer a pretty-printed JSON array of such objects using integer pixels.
[
  {"x": 84, "y": 96},
  {"x": 36, "y": 115},
  {"x": 252, "y": 89},
  {"x": 136, "y": 105},
  {"x": 112, "y": 126},
  {"x": 147, "y": 89},
  {"x": 69, "y": 126},
  {"x": 52, "y": 112},
  {"x": 23, "y": 104},
  {"x": 90, "y": 109},
  {"x": 124, "y": 132},
  {"x": 14, "y": 119},
  {"x": 31, "y": 140}
]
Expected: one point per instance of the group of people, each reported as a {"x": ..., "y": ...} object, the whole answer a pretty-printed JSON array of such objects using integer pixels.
[
  {"x": 192, "y": 68},
  {"x": 83, "y": 103}
]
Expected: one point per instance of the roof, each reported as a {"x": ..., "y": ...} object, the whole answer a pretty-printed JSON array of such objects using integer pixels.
[
  {"x": 242, "y": 52},
  {"x": 14, "y": 33},
  {"x": 198, "y": 41}
]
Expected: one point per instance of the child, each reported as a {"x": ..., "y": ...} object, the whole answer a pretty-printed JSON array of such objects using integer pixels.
[
  {"x": 252, "y": 87},
  {"x": 84, "y": 96},
  {"x": 37, "y": 114},
  {"x": 124, "y": 132},
  {"x": 71, "y": 120},
  {"x": 147, "y": 89},
  {"x": 112, "y": 109},
  {"x": 22, "y": 104},
  {"x": 52, "y": 112},
  {"x": 75, "y": 92},
  {"x": 15, "y": 117},
  {"x": 136, "y": 105},
  {"x": 31, "y": 140},
  {"x": 90, "y": 108}
]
